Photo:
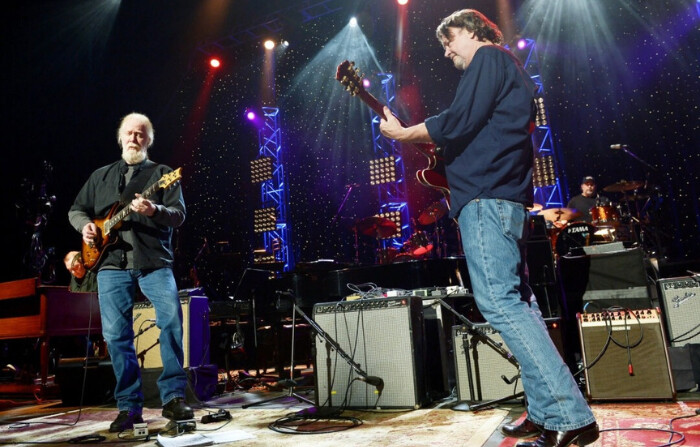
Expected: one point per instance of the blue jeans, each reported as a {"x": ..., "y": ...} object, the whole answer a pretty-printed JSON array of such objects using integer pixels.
[
  {"x": 494, "y": 234},
  {"x": 116, "y": 293}
]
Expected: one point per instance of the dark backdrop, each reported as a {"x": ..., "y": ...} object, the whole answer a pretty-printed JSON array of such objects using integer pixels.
[{"x": 617, "y": 71}]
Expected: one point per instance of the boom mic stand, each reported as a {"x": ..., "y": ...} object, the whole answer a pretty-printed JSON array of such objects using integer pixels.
[
  {"x": 481, "y": 337},
  {"x": 290, "y": 382},
  {"x": 377, "y": 382}
]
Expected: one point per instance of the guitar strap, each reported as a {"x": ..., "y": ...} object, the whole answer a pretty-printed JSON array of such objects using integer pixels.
[{"x": 138, "y": 181}]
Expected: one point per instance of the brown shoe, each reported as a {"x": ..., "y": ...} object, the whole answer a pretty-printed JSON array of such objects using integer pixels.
[
  {"x": 525, "y": 429},
  {"x": 580, "y": 436}
]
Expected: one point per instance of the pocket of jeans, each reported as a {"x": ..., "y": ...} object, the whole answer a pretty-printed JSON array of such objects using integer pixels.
[{"x": 512, "y": 218}]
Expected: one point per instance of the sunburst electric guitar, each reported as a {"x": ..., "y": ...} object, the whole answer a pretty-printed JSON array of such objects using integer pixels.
[
  {"x": 92, "y": 253},
  {"x": 434, "y": 175}
]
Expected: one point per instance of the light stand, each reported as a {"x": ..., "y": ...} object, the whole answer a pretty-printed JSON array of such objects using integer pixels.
[
  {"x": 291, "y": 383},
  {"x": 483, "y": 338}
]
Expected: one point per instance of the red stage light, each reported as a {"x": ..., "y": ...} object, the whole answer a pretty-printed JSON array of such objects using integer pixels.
[
  {"x": 402, "y": 2},
  {"x": 214, "y": 62}
]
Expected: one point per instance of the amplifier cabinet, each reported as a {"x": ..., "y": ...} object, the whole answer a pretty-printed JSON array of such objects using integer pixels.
[
  {"x": 488, "y": 367},
  {"x": 195, "y": 337},
  {"x": 625, "y": 355},
  {"x": 385, "y": 337},
  {"x": 480, "y": 369},
  {"x": 680, "y": 301}
]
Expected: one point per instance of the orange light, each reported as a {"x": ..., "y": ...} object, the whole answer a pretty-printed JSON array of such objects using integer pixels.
[
  {"x": 214, "y": 62},
  {"x": 402, "y": 2},
  {"x": 269, "y": 44}
]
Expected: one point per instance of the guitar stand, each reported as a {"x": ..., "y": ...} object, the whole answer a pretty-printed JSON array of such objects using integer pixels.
[
  {"x": 287, "y": 383},
  {"x": 480, "y": 337}
]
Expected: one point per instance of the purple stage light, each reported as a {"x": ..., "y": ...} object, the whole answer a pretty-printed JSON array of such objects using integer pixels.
[
  {"x": 522, "y": 43},
  {"x": 366, "y": 83},
  {"x": 250, "y": 115}
]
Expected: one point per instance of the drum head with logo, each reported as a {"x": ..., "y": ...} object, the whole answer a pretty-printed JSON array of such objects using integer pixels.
[{"x": 574, "y": 235}]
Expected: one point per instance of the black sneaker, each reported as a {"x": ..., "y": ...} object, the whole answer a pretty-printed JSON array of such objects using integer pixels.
[
  {"x": 125, "y": 421},
  {"x": 177, "y": 410}
]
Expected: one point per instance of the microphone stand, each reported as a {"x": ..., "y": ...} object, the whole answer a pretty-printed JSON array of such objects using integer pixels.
[
  {"x": 633, "y": 155},
  {"x": 483, "y": 338},
  {"x": 377, "y": 382}
]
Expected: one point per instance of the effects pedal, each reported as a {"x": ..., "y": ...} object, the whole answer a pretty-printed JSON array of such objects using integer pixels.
[{"x": 220, "y": 416}]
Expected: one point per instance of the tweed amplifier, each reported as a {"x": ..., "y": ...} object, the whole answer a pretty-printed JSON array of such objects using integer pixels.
[
  {"x": 195, "y": 337},
  {"x": 625, "y": 355},
  {"x": 680, "y": 300},
  {"x": 385, "y": 337}
]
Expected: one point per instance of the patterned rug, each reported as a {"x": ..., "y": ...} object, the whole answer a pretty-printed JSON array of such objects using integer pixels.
[
  {"x": 435, "y": 427},
  {"x": 642, "y": 424}
]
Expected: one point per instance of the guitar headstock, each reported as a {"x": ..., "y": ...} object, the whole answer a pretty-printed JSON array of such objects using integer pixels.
[
  {"x": 170, "y": 178},
  {"x": 350, "y": 77}
]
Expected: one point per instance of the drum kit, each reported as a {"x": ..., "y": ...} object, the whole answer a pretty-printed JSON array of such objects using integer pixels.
[
  {"x": 420, "y": 245},
  {"x": 608, "y": 223}
]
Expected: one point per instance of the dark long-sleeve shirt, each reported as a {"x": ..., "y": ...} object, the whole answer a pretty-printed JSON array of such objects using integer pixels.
[
  {"x": 485, "y": 133},
  {"x": 150, "y": 238}
]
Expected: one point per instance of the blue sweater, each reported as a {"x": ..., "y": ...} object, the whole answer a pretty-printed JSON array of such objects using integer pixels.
[{"x": 485, "y": 133}]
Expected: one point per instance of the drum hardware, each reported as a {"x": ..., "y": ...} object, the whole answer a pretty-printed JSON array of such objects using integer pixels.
[
  {"x": 535, "y": 208},
  {"x": 574, "y": 235},
  {"x": 433, "y": 213},
  {"x": 378, "y": 228},
  {"x": 605, "y": 216},
  {"x": 419, "y": 244},
  {"x": 559, "y": 214},
  {"x": 623, "y": 185}
]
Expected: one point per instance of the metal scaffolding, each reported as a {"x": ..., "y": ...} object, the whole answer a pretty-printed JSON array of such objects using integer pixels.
[
  {"x": 274, "y": 197},
  {"x": 391, "y": 194},
  {"x": 547, "y": 169}
]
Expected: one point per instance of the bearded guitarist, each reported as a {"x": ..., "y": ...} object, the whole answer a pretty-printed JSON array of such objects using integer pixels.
[{"x": 127, "y": 229}]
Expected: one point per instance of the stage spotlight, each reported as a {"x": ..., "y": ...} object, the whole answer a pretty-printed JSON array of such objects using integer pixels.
[
  {"x": 522, "y": 43},
  {"x": 250, "y": 114},
  {"x": 285, "y": 44},
  {"x": 214, "y": 62},
  {"x": 402, "y": 2},
  {"x": 366, "y": 84},
  {"x": 269, "y": 44},
  {"x": 353, "y": 22}
]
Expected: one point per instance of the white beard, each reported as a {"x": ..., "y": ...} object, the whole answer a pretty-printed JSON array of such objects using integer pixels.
[{"x": 134, "y": 157}]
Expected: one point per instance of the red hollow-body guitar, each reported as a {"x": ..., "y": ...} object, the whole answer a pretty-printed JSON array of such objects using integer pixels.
[
  {"x": 92, "y": 253},
  {"x": 434, "y": 175}
]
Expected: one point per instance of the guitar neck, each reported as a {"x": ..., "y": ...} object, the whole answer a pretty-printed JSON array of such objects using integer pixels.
[
  {"x": 119, "y": 216},
  {"x": 378, "y": 108}
]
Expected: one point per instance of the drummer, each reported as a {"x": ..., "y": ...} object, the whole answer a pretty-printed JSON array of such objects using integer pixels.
[{"x": 589, "y": 198}]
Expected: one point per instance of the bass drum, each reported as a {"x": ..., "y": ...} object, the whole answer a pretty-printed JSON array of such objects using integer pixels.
[{"x": 573, "y": 235}]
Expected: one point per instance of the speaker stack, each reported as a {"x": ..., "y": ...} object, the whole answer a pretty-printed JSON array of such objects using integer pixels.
[
  {"x": 385, "y": 337},
  {"x": 625, "y": 355},
  {"x": 195, "y": 339}
]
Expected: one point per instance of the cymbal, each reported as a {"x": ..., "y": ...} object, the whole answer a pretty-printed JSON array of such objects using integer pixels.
[
  {"x": 556, "y": 214},
  {"x": 623, "y": 185},
  {"x": 431, "y": 214},
  {"x": 535, "y": 207},
  {"x": 375, "y": 226}
]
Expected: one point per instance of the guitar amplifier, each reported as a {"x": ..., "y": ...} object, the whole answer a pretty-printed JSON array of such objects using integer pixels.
[
  {"x": 385, "y": 337},
  {"x": 195, "y": 336},
  {"x": 625, "y": 355},
  {"x": 680, "y": 300}
]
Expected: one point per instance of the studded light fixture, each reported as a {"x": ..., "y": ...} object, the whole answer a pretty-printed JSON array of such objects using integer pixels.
[
  {"x": 382, "y": 170},
  {"x": 394, "y": 216},
  {"x": 265, "y": 219},
  {"x": 543, "y": 174},
  {"x": 261, "y": 169}
]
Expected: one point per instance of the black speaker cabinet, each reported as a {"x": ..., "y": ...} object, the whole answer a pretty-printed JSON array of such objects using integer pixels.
[
  {"x": 604, "y": 280},
  {"x": 626, "y": 356},
  {"x": 195, "y": 314},
  {"x": 385, "y": 337},
  {"x": 97, "y": 374},
  {"x": 680, "y": 301},
  {"x": 490, "y": 372}
]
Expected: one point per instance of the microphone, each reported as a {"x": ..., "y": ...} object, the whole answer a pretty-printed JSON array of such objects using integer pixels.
[
  {"x": 618, "y": 146},
  {"x": 375, "y": 381}
]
